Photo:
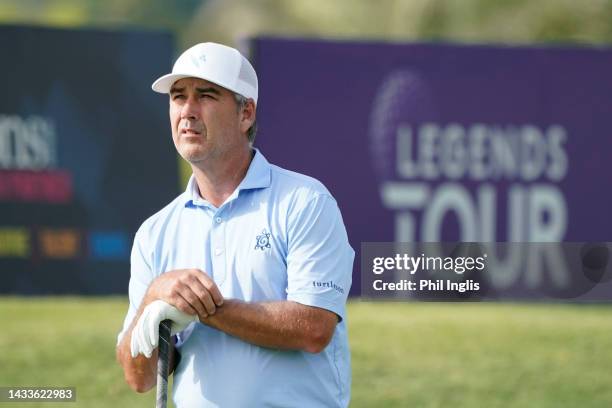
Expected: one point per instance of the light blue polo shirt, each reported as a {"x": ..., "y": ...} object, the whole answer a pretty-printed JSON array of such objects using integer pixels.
[{"x": 279, "y": 236}]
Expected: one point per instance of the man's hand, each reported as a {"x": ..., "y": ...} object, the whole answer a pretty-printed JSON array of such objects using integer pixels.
[
  {"x": 146, "y": 332},
  {"x": 189, "y": 290},
  {"x": 183, "y": 296}
]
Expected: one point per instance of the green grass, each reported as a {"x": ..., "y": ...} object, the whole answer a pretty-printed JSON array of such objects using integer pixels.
[
  {"x": 481, "y": 355},
  {"x": 404, "y": 354}
]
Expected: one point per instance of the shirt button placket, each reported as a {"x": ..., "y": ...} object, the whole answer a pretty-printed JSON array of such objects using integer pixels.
[{"x": 218, "y": 248}]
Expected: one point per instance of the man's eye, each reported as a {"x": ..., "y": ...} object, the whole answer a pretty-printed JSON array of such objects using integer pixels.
[
  {"x": 207, "y": 96},
  {"x": 178, "y": 96}
]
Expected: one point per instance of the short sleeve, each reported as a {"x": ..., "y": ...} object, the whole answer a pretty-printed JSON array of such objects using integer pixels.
[
  {"x": 319, "y": 256},
  {"x": 141, "y": 275}
]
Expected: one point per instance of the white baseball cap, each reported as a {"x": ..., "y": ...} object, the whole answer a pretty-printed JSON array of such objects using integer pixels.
[{"x": 216, "y": 63}]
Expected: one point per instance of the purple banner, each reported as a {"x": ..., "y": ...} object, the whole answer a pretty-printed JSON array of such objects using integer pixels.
[{"x": 428, "y": 142}]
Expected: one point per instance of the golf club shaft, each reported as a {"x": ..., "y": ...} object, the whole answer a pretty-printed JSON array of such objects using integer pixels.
[{"x": 162, "y": 364}]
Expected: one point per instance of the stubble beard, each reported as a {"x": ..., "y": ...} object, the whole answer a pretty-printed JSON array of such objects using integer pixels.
[{"x": 192, "y": 154}]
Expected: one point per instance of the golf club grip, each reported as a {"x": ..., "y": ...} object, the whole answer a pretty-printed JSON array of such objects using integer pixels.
[{"x": 162, "y": 364}]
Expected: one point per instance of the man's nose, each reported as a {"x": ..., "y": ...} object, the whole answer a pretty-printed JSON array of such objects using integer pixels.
[{"x": 189, "y": 110}]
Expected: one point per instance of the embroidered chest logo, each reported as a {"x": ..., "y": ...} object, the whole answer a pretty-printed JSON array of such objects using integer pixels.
[{"x": 263, "y": 240}]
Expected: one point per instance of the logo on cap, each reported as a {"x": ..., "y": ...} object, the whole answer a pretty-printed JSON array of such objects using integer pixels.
[{"x": 197, "y": 60}]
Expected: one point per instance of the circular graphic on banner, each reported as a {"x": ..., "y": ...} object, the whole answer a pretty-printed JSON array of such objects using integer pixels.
[{"x": 403, "y": 98}]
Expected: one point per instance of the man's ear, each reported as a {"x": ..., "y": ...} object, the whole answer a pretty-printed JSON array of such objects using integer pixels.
[{"x": 248, "y": 114}]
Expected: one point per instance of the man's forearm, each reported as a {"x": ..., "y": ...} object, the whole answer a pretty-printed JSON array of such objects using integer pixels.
[
  {"x": 139, "y": 372},
  {"x": 284, "y": 325}
]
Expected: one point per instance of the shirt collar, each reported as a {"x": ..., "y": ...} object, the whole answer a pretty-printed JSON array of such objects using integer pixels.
[{"x": 258, "y": 176}]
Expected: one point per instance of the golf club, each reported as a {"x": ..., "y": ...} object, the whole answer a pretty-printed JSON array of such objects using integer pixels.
[{"x": 162, "y": 364}]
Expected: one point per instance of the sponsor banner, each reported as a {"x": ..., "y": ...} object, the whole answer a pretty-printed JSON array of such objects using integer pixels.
[
  {"x": 85, "y": 155},
  {"x": 445, "y": 143}
]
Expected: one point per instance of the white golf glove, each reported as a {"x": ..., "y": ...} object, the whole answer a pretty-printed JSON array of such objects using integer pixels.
[{"x": 146, "y": 332}]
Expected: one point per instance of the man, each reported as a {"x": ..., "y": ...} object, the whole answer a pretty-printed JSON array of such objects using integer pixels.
[{"x": 257, "y": 256}]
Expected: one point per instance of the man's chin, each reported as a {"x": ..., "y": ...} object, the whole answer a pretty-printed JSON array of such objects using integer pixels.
[{"x": 192, "y": 157}]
